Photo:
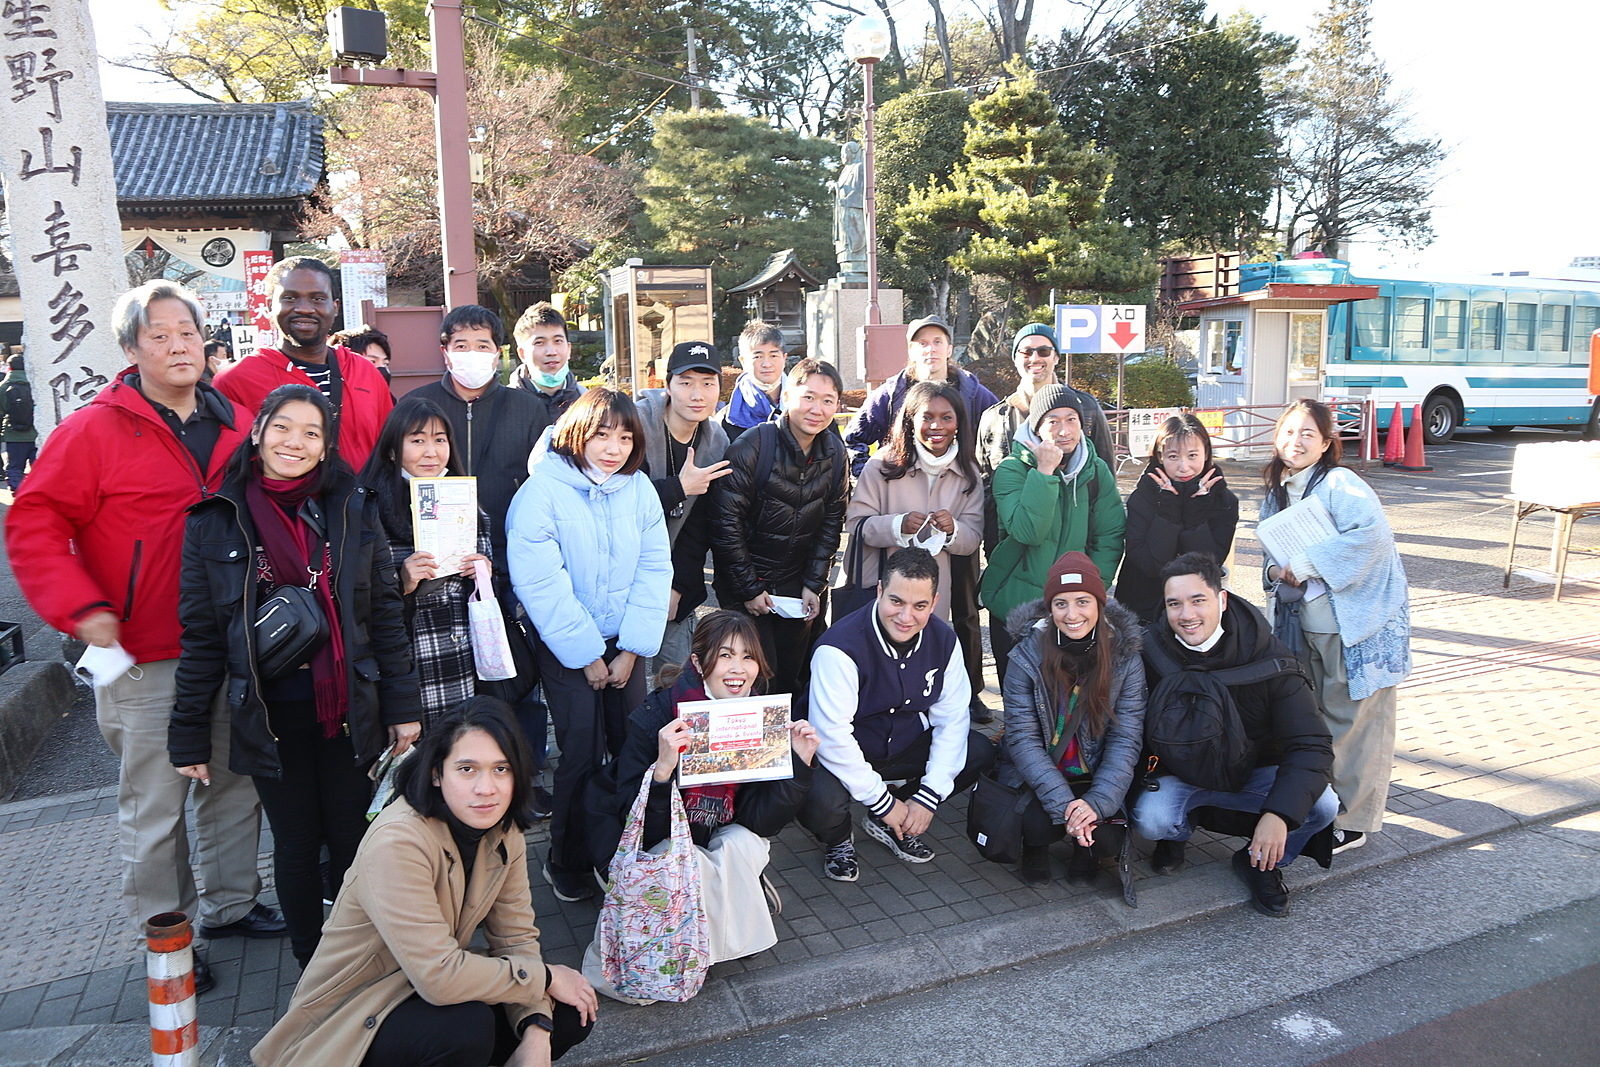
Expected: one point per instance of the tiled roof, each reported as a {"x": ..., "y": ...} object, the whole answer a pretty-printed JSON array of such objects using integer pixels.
[
  {"x": 777, "y": 267},
  {"x": 215, "y": 153}
]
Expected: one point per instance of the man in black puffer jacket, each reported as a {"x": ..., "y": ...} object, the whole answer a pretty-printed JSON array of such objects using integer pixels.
[
  {"x": 1288, "y": 791},
  {"x": 777, "y": 517}
]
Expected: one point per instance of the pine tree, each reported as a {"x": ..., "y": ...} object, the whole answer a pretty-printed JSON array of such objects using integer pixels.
[
  {"x": 1032, "y": 205},
  {"x": 728, "y": 190},
  {"x": 1353, "y": 160},
  {"x": 1180, "y": 100}
]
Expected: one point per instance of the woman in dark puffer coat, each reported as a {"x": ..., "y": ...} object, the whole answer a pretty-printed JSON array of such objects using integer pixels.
[{"x": 1074, "y": 712}]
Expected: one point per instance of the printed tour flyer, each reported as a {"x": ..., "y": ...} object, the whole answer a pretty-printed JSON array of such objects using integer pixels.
[
  {"x": 444, "y": 517},
  {"x": 745, "y": 739}
]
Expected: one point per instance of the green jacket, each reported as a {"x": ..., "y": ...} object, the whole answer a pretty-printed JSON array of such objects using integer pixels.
[
  {"x": 16, "y": 409},
  {"x": 1043, "y": 516}
]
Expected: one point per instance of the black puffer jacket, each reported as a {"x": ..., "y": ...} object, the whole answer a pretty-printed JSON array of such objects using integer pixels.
[
  {"x": 770, "y": 538},
  {"x": 1163, "y": 526},
  {"x": 1279, "y": 715},
  {"x": 217, "y": 601},
  {"x": 763, "y": 808}
]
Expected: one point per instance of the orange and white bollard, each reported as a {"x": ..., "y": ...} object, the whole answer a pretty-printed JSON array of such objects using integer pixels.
[{"x": 169, "y": 967}]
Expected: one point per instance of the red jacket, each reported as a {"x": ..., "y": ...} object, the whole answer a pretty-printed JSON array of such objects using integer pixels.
[
  {"x": 99, "y": 521},
  {"x": 367, "y": 400}
]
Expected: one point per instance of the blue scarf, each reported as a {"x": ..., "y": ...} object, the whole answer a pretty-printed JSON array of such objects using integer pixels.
[{"x": 749, "y": 405}]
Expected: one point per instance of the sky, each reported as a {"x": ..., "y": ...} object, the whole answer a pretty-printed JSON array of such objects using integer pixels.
[{"x": 1508, "y": 87}]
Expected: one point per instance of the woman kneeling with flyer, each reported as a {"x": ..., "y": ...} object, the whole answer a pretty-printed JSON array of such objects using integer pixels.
[{"x": 729, "y": 821}]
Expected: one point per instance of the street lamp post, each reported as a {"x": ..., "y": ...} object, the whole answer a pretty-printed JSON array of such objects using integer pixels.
[
  {"x": 866, "y": 41},
  {"x": 447, "y": 84}
]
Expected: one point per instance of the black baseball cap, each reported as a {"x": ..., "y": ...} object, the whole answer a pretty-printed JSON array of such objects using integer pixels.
[{"x": 693, "y": 355}]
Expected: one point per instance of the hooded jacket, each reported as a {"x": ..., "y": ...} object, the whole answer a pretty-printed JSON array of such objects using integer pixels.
[
  {"x": 589, "y": 562},
  {"x": 1043, "y": 516},
  {"x": 786, "y": 531},
  {"x": 98, "y": 525},
  {"x": 364, "y": 401},
  {"x": 875, "y": 420},
  {"x": 1030, "y": 715},
  {"x": 1280, "y": 715},
  {"x": 217, "y": 606},
  {"x": 1163, "y": 526}
]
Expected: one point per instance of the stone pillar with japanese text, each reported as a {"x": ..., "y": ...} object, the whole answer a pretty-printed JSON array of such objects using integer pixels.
[{"x": 61, "y": 200}]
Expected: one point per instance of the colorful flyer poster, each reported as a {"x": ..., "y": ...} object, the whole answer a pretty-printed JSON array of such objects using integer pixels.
[
  {"x": 744, "y": 739},
  {"x": 444, "y": 519}
]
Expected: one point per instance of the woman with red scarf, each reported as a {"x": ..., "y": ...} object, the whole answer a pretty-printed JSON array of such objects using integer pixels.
[{"x": 290, "y": 513}]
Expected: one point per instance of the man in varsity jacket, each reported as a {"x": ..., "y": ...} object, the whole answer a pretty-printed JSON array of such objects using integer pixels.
[{"x": 889, "y": 697}]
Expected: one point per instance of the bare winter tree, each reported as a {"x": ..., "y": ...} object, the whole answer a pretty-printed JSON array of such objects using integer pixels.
[
  {"x": 1353, "y": 161},
  {"x": 538, "y": 200}
]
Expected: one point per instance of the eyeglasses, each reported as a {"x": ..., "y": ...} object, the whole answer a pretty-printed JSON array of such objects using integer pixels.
[{"x": 1042, "y": 350}]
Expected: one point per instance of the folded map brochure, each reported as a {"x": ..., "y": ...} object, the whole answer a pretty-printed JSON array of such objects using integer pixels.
[{"x": 744, "y": 739}]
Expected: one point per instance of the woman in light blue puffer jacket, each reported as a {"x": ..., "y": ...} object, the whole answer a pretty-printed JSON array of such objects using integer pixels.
[{"x": 587, "y": 549}]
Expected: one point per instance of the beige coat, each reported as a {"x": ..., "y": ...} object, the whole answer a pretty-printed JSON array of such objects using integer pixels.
[
  {"x": 401, "y": 926},
  {"x": 881, "y": 502}
]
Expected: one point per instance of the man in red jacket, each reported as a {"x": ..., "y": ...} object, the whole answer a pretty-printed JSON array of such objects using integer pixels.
[
  {"x": 96, "y": 542},
  {"x": 302, "y": 299}
]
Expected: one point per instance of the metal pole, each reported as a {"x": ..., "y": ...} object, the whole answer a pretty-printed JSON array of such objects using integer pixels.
[
  {"x": 874, "y": 315},
  {"x": 694, "y": 71},
  {"x": 455, "y": 170},
  {"x": 169, "y": 970}
]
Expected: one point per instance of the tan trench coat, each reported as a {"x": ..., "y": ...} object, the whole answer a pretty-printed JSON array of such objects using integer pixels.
[
  {"x": 401, "y": 926},
  {"x": 880, "y": 501}
]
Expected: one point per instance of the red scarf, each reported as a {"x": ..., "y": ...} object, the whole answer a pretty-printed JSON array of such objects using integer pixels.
[{"x": 289, "y": 542}]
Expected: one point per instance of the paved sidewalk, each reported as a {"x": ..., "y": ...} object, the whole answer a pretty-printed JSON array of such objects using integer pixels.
[{"x": 1496, "y": 729}]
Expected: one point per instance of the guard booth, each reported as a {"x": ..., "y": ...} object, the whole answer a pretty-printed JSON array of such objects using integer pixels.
[
  {"x": 648, "y": 310},
  {"x": 1263, "y": 341}
]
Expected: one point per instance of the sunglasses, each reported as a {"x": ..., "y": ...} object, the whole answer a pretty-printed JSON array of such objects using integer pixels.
[{"x": 1042, "y": 350}]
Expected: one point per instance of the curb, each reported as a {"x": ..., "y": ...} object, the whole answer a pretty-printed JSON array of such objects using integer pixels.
[
  {"x": 843, "y": 981},
  {"x": 33, "y": 696}
]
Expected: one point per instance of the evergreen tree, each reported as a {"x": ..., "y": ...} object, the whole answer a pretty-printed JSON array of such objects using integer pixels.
[
  {"x": 1180, "y": 100},
  {"x": 728, "y": 190},
  {"x": 1030, "y": 205},
  {"x": 1353, "y": 161}
]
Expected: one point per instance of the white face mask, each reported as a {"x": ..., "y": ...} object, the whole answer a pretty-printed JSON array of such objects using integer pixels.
[
  {"x": 102, "y": 666},
  {"x": 473, "y": 370},
  {"x": 930, "y": 537}
]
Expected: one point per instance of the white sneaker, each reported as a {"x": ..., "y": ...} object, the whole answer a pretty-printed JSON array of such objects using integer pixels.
[{"x": 1345, "y": 840}]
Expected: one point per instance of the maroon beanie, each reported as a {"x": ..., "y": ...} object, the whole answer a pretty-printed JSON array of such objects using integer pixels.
[{"x": 1075, "y": 572}]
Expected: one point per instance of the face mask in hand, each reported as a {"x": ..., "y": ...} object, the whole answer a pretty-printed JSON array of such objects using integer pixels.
[
  {"x": 473, "y": 370},
  {"x": 930, "y": 537}
]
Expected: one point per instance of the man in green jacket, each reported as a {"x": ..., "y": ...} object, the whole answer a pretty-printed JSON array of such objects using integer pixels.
[{"x": 1053, "y": 495}]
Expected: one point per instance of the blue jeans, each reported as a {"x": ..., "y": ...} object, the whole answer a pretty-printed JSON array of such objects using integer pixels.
[
  {"x": 18, "y": 455},
  {"x": 1164, "y": 814}
]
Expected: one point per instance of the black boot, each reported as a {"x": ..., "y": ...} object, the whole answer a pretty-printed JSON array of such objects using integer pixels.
[
  {"x": 1082, "y": 866},
  {"x": 1034, "y": 869}
]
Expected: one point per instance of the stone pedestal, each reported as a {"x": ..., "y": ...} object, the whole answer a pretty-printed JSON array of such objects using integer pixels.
[{"x": 834, "y": 317}]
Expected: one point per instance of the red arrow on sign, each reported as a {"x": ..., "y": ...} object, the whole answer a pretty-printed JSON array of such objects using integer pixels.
[{"x": 1123, "y": 334}]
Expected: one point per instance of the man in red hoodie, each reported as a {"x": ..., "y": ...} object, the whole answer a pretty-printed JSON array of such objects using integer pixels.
[
  {"x": 301, "y": 289},
  {"x": 96, "y": 543}
]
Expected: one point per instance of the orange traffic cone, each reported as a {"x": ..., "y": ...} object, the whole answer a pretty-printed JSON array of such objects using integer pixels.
[
  {"x": 1415, "y": 461},
  {"x": 1394, "y": 446}
]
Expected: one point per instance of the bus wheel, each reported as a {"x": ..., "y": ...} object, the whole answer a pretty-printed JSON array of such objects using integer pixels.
[{"x": 1440, "y": 417}]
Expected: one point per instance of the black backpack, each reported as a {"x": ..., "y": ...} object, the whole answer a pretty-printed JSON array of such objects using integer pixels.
[
  {"x": 19, "y": 407},
  {"x": 1192, "y": 724}
]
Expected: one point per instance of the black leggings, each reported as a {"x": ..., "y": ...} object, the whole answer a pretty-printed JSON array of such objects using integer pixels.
[
  {"x": 320, "y": 799},
  {"x": 474, "y": 1034},
  {"x": 1040, "y": 828}
]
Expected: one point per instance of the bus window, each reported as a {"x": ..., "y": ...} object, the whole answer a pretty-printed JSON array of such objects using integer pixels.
[
  {"x": 1522, "y": 326},
  {"x": 1410, "y": 322},
  {"x": 1372, "y": 323},
  {"x": 1485, "y": 325},
  {"x": 1449, "y": 323},
  {"x": 1553, "y": 321},
  {"x": 1585, "y": 321}
]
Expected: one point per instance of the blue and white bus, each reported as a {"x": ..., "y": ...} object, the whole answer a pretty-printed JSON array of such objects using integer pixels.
[{"x": 1473, "y": 350}]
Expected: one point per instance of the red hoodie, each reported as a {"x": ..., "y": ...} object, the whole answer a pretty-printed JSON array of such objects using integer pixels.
[
  {"x": 367, "y": 400},
  {"x": 99, "y": 521}
]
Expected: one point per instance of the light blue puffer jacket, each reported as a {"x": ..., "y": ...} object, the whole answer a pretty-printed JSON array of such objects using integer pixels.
[{"x": 589, "y": 562}]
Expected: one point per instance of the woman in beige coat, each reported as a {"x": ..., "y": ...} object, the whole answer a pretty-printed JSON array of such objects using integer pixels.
[{"x": 392, "y": 982}]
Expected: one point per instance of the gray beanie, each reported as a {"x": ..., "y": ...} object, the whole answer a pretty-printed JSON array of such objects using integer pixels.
[{"x": 1048, "y": 399}]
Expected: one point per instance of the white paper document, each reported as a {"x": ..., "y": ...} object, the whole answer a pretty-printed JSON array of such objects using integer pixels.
[
  {"x": 1293, "y": 530},
  {"x": 444, "y": 517}
]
